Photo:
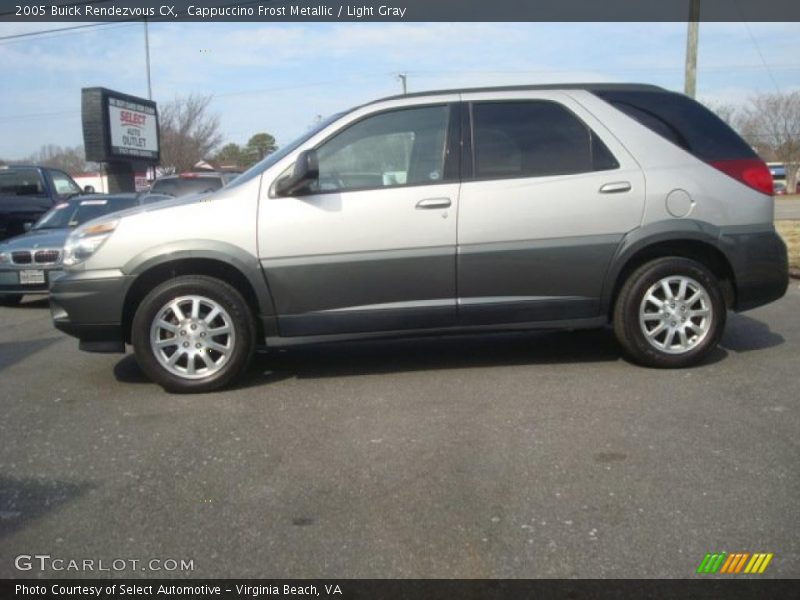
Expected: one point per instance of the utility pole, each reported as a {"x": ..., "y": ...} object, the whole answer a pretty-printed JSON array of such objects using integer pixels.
[
  {"x": 690, "y": 75},
  {"x": 150, "y": 173},
  {"x": 147, "y": 59},
  {"x": 403, "y": 77}
]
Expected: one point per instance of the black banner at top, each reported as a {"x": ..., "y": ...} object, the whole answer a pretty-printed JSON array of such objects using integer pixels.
[{"x": 398, "y": 10}]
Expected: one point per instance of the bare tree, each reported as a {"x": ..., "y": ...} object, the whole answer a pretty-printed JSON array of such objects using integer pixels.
[
  {"x": 188, "y": 131},
  {"x": 69, "y": 159},
  {"x": 771, "y": 124}
]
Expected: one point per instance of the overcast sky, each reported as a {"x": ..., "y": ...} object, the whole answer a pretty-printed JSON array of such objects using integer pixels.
[{"x": 279, "y": 77}]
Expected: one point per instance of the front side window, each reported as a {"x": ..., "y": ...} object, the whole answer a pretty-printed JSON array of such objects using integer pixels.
[
  {"x": 397, "y": 148},
  {"x": 534, "y": 139},
  {"x": 64, "y": 184}
]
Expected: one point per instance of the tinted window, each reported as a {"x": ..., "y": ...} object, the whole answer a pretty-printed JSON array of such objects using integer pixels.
[
  {"x": 534, "y": 139},
  {"x": 183, "y": 186},
  {"x": 21, "y": 182},
  {"x": 401, "y": 147},
  {"x": 682, "y": 121}
]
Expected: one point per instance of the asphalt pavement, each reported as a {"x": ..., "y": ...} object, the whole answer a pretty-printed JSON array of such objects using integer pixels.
[{"x": 515, "y": 455}]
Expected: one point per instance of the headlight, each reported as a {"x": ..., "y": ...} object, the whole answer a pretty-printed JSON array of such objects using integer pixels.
[
  {"x": 5, "y": 258},
  {"x": 84, "y": 241}
]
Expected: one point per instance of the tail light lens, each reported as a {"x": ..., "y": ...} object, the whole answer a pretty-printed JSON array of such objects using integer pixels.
[{"x": 750, "y": 171}]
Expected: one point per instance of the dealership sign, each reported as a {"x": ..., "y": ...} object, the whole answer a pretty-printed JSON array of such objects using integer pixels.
[{"x": 119, "y": 127}]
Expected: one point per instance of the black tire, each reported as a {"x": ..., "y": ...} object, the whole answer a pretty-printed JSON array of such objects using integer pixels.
[
  {"x": 226, "y": 296},
  {"x": 10, "y": 299},
  {"x": 626, "y": 313}
]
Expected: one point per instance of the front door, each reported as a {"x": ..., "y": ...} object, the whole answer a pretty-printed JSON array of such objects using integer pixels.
[{"x": 371, "y": 246}]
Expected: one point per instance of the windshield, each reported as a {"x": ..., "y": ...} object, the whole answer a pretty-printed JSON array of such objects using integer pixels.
[
  {"x": 78, "y": 212},
  {"x": 183, "y": 186},
  {"x": 21, "y": 182},
  {"x": 271, "y": 159}
]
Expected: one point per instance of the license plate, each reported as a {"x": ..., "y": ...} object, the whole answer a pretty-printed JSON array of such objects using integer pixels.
[{"x": 31, "y": 277}]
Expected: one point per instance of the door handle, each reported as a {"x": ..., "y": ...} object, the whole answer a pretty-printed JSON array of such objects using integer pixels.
[
  {"x": 429, "y": 203},
  {"x": 617, "y": 187}
]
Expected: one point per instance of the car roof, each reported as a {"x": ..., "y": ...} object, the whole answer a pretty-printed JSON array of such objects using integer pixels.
[
  {"x": 12, "y": 167},
  {"x": 590, "y": 87}
]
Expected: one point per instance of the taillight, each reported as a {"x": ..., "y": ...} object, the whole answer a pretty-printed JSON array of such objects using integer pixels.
[{"x": 750, "y": 171}]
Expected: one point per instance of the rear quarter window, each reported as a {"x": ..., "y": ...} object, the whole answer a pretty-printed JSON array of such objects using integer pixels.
[{"x": 682, "y": 121}]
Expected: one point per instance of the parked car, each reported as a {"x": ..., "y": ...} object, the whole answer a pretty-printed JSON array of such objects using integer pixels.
[
  {"x": 199, "y": 182},
  {"x": 779, "y": 188},
  {"x": 29, "y": 262},
  {"x": 27, "y": 192},
  {"x": 444, "y": 212}
]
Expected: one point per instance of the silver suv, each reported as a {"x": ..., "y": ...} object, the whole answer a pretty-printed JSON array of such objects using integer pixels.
[{"x": 458, "y": 211}]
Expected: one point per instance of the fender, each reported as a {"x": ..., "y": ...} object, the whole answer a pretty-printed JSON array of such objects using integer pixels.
[
  {"x": 653, "y": 233},
  {"x": 243, "y": 261}
]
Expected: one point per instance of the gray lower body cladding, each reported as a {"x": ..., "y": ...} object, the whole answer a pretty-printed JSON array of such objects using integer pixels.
[
  {"x": 513, "y": 282},
  {"x": 88, "y": 305},
  {"x": 760, "y": 265},
  {"x": 516, "y": 285}
]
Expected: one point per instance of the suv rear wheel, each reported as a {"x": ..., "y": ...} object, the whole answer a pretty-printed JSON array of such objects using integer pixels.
[
  {"x": 670, "y": 313},
  {"x": 193, "y": 334}
]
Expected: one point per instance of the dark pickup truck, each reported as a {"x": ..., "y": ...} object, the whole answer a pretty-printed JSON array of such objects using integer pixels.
[{"x": 27, "y": 192}]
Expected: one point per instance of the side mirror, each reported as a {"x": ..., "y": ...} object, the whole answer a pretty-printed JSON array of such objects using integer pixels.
[
  {"x": 89, "y": 189},
  {"x": 27, "y": 226},
  {"x": 306, "y": 171}
]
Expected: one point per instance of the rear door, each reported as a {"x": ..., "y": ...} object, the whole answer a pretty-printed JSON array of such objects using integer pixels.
[
  {"x": 371, "y": 247},
  {"x": 548, "y": 194}
]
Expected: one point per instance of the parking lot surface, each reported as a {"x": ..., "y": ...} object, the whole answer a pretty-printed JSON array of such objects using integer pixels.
[{"x": 515, "y": 455}]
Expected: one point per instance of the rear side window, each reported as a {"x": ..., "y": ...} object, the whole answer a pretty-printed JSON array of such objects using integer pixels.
[
  {"x": 21, "y": 182},
  {"x": 534, "y": 139},
  {"x": 683, "y": 122}
]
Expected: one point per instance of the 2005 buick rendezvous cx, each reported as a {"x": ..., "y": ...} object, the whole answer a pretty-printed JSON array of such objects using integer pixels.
[{"x": 457, "y": 211}]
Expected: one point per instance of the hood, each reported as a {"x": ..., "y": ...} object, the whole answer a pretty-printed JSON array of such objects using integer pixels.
[
  {"x": 160, "y": 205},
  {"x": 42, "y": 238}
]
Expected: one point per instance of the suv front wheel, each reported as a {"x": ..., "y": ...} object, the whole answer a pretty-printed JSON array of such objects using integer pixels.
[
  {"x": 193, "y": 334},
  {"x": 670, "y": 313}
]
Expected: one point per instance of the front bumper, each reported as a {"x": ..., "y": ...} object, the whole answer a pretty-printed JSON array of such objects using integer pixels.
[
  {"x": 88, "y": 305},
  {"x": 10, "y": 279},
  {"x": 760, "y": 265}
]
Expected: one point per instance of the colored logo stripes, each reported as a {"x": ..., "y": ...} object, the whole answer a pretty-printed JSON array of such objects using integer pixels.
[{"x": 734, "y": 562}]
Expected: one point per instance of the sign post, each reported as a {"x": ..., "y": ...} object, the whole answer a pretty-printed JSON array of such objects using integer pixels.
[{"x": 121, "y": 131}]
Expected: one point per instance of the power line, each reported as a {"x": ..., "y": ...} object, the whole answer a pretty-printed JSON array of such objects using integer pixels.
[
  {"x": 59, "y": 32},
  {"x": 763, "y": 61}
]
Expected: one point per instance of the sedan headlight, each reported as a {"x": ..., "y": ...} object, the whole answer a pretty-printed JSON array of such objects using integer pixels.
[
  {"x": 5, "y": 258},
  {"x": 85, "y": 241}
]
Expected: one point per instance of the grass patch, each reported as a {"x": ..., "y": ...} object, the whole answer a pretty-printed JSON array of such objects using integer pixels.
[{"x": 790, "y": 232}]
